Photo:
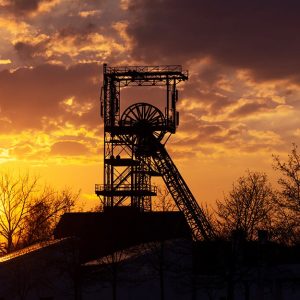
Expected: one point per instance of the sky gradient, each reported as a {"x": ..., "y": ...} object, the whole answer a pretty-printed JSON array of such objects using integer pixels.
[{"x": 240, "y": 105}]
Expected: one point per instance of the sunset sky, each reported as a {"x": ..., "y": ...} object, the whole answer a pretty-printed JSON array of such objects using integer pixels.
[{"x": 240, "y": 105}]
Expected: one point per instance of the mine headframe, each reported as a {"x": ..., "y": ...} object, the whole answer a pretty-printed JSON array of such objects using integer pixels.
[
  {"x": 128, "y": 166},
  {"x": 134, "y": 150}
]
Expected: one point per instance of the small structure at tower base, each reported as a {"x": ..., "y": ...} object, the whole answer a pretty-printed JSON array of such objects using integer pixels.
[{"x": 117, "y": 228}]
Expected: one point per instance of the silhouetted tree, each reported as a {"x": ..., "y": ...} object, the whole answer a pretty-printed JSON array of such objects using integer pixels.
[
  {"x": 15, "y": 195},
  {"x": 249, "y": 206},
  {"x": 288, "y": 200},
  {"x": 27, "y": 214},
  {"x": 45, "y": 211},
  {"x": 289, "y": 180}
]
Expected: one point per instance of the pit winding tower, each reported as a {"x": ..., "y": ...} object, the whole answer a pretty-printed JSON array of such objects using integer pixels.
[{"x": 134, "y": 144}]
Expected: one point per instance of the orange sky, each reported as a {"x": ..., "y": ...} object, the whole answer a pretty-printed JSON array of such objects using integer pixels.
[{"x": 240, "y": 105}]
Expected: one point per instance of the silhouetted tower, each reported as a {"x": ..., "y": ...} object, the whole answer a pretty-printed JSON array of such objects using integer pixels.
[{"x": 133, "y": 152}]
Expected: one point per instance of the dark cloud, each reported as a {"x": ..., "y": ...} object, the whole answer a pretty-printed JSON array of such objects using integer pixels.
[
  {"x": 258, "y": 35},
  {"x": 190, "y": 122},
  {"x": 56, "y": 31},
  {"x": 83, "y": 42},
  {"x": 78, "y": 30},
  {"x": 31, "y": 53},
  {"x": 25, "y": 6},
  {"x": 31, "y": 96},
  {"x": 68, "y": 148},
  {"x": 253, "y": 108}
]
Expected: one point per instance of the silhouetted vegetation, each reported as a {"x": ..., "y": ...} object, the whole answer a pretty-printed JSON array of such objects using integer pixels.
[
  {"x": 28, "y": 211},
  {"x": 253, "y": 204},
  {"x": 248, "y": 207},
  {"x": 164, "y": 200},
  {"x": 288, "y": 196},
  {"x": 45, "y": 212}
]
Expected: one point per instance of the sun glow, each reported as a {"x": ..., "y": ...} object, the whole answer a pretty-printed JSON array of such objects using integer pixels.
[
  {"x": 5, "y": 61},
  {"x": 5, "y": 156}
]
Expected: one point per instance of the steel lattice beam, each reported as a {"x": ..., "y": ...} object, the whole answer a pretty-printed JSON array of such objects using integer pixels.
[{"x": 184, "y": 199}]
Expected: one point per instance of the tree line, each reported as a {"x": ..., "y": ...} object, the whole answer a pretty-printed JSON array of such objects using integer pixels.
[
  {"x": 254, "y": 204},
  {"x": 29, "y": 211}
]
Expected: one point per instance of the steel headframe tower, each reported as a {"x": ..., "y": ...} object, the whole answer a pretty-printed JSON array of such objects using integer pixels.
[
  {"x": 133, "y": 151},
  {"x": 127, "y": 173}
]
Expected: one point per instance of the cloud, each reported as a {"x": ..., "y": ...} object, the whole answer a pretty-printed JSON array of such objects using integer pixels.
[
  {"x": 31, "y": 52},
  {"x": 251, "y": 107},
  {"x": 83, "y": 42},
  {"x": 33, "y": 97},
  {"x": 35, "y": 33},
  {"x": 261, "y": 36},
  {"x": 50, "y": 114},
  {"x": 240, "y": 117},
  {"x": 27, "y": 6},
  {"x": 58, "y": 79},
  {"x": 68, "y": 148}
]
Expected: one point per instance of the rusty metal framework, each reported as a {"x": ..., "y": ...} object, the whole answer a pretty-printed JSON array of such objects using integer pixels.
[{"x": 133, "y": 149}]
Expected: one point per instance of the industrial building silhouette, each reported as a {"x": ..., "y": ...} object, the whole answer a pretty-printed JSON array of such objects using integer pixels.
[{"x": 101, "y": 233}]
